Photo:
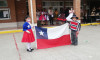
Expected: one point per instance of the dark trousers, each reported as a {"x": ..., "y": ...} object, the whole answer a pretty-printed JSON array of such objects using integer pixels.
[
  {"x": 51, "y": 19},
  {"x": 74, "y": 38}
]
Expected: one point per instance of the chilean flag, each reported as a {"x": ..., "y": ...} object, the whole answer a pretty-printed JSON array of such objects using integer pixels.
[{"x": 52, "y": 37}]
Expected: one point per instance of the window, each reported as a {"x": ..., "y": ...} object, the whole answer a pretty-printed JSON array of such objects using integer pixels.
[
  {"x": 69, "y": 4},
  {"x": 3, "y": 3},
  {"x": 4, "y": 14},
  {"x": 43, "y": 3},
  {"x": 53, "y": 3},
  {"x": 61, "y": 3}
]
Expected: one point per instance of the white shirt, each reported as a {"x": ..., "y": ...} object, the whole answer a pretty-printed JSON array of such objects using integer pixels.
[{"x": 69, "y": 17}]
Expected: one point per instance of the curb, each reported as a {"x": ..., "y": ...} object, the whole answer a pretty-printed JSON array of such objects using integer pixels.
[
  {"x": 10, "y": 31},
  {"x": 90, "y": 24},
  {"x": 14, "y": 31}
]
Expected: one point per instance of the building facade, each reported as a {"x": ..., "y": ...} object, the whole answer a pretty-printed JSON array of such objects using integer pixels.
[{"x": 13, "y": 12}]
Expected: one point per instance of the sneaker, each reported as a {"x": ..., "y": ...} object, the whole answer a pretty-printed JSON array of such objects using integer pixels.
[
  {"x": 29, "y": 50},
  {"x": 32, "y": 49},
  {"x": 74, "y": 44}
]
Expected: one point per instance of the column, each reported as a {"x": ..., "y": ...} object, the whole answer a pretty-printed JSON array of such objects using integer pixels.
[
  {"x": 32, "y": 10},
  {"x": 77, "y": 7}
]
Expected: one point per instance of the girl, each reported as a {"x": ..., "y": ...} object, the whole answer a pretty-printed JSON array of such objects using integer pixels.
[
  {"x": 28, "y": 36},
  {"x": 42, "y": 17}
]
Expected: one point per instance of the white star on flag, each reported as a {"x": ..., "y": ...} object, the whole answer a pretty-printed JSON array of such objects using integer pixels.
[{"x": 41, "y": 33}]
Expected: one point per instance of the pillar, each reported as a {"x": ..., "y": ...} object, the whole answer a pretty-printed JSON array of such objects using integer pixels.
[
  {"x": 32, "y": 10},
  {"x": 77, "y": 7}
]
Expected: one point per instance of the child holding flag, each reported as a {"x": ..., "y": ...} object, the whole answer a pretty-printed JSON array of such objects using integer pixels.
[
  {"x": 74, "y": 26},
  {"x": 28, "y": 36}
]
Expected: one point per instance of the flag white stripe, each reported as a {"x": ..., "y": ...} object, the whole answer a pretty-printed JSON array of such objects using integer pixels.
[{"x": 57, "y": 32}]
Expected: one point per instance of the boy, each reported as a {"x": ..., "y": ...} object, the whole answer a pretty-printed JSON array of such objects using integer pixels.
[{"x": 74, "y": 26}]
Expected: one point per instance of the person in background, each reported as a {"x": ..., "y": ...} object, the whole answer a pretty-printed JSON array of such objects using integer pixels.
[
  {"x": 66, "y": 12},
  {"x": 98, "y": 11},
  {"x": 74, "y": 26},
  {"x": 28, "y": 36},
  {"x": 50, "y": 12},
  {"x": 37, "y": 14},
  {"x": 46, "y": 16},
  {"x": 56, "y": 16},
  {"x": 42, "y": 17},
  {"x": 62, "y": 17}
]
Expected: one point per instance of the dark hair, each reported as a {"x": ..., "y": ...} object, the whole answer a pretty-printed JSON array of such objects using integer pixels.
[
  {"x": 74, "y": 16},
  {"x": 26, "y": 17}
]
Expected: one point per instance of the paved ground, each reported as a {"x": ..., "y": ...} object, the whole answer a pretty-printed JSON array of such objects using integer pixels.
[{"x": 88, "y": 48}]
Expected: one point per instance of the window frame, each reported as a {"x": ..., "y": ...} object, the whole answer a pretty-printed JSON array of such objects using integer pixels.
[
  {"x": 6, "y": 5},
  {"x": 8, "y": 14},
  {"x": 69, "y": 4},
  {"x": 51, "y": 2}
]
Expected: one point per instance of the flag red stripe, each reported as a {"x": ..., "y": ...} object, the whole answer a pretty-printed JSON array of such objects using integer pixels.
[{"x": 48, "y": 43}]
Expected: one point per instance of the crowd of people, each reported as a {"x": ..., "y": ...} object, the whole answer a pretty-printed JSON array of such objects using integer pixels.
[{"x": 52, "y": 17}]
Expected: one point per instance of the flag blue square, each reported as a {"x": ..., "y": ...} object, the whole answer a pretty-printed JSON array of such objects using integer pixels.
[{"x": 41, "y": 33}]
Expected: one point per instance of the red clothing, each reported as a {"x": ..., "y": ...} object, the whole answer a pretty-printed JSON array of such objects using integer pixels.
[
  {"x": 42, "y": 17},
  {"x": 74, "y": 25},
  {"x": 28, "y": 37},
  {"x": 62, "y": 17}
]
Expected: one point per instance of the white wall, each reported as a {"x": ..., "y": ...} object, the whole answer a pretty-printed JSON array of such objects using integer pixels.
[{"x": 11, "y": 25}]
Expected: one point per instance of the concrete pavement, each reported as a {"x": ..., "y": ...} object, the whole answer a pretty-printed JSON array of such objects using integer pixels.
[{"x": 88, "y": 48}]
